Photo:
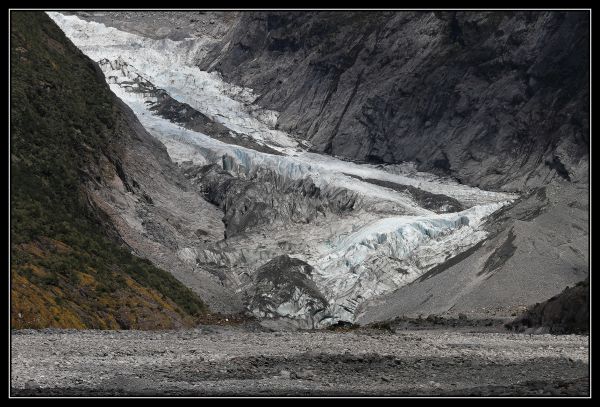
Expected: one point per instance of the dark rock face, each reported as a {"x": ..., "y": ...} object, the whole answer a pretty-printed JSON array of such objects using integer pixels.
[
  {"x": 267, "y": 198},
  {"x": 566, "y": 313},
  {"x": 286, "y": 282},
  {"x": 438, "y": 203},
  {"x": 497, "y": 99}
]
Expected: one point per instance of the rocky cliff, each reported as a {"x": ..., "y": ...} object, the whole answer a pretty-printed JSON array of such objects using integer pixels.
[{"x": 496, "y": 99}]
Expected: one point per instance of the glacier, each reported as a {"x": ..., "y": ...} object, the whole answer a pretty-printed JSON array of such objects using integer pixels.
[{"x": 387, "y": 241}]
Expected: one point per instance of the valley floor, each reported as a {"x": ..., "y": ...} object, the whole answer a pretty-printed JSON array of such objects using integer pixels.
[{"x": 246, "y": 361}]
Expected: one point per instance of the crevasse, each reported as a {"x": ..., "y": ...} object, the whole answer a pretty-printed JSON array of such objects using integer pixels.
[{"x": 376, "y": 257}]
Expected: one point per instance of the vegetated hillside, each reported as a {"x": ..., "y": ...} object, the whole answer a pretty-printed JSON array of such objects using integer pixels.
[
  {"x": 497, "y": 99},
  {"x": 68, "y": 268}
]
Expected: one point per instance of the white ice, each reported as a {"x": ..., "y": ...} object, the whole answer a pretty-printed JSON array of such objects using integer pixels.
[
  {"x": 381, "y": 255},
  {"x": 227, "y": 104}
]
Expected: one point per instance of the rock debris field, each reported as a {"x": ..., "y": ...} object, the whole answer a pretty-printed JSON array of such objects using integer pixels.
[{"x": 243, "y": 361}]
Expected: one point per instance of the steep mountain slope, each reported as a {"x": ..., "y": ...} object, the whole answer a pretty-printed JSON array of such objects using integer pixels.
[
  {"x": 364, "y": 230},
  {"x": 358, "y": 241},
  {"x": 497, "y": 99},
  {"x": 535, "y": 248},
  {"x": 70, "y": 135}
]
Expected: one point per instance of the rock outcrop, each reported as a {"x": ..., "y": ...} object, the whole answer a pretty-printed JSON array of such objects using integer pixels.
[
  {"x": 566, "y": 313},
  {"x": 496, "y": 99},
  {"x": 284, "y": 289},
  {"x": 499, "y": 100}
]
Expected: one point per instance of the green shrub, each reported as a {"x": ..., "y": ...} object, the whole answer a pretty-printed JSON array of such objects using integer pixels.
[{"x": 58, "y": 104}]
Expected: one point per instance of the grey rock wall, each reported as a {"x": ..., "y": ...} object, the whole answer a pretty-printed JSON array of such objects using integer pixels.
[{"x": 497, "y": 99}]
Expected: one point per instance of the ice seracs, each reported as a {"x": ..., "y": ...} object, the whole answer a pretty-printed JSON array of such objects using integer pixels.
[{"x": 385, "y": 242}]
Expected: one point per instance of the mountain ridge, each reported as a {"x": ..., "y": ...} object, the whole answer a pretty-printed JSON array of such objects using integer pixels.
[
  {"x": 69, "y": 267},
  {"x": 496, "y": 99}
]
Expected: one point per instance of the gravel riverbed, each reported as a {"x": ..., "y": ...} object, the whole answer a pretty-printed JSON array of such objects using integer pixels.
[{"x": 238, "y": 361}]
